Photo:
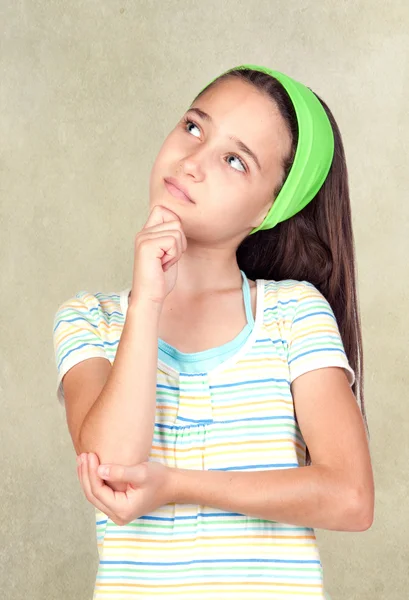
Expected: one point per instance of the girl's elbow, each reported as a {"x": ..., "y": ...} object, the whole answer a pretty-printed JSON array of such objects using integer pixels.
[{"x": 360, "y": 513}]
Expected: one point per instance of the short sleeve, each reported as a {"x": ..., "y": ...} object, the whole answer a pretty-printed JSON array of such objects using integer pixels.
[
  {"x": 315, "y": 340},
  {"x": 76, "y": 335}
]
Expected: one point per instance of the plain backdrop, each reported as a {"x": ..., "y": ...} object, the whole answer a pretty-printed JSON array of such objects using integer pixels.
[{"x": 88, "y": 91}]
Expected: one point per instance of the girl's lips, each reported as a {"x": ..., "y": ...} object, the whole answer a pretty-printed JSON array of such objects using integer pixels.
[{"x": 176, "y": 192}]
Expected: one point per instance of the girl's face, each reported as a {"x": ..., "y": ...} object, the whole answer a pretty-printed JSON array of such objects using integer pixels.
[{"x": 227, "y": 152}]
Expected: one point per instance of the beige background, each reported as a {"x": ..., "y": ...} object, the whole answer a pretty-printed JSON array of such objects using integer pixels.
[{"x": 88, "y": 91}]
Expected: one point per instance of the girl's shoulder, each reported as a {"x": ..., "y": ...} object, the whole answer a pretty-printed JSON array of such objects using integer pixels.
[
  {"x": 299, "y": 314},
  {"x": 87, "y": 319},
  {"x": 289, "y": 292},
  {"x": 290, "y": 304},
  {"x": 93, "y": 307},
  {"x": 86, "y": 325}
]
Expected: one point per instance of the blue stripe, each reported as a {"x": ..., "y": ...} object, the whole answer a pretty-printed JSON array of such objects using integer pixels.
[
  {"x": 79, "y": 348},
  {"x": 266, "y": 466},
  {"x": 212, "y": 515},
  {"x": 282, "y": 302},
  {"x": 210, "y": 561},
  {"x": 283, "y": 417},
  {"x": 196, "y": 421},
  {"x": 312, "y": 314},
  {"x": 314, "y": 351},
  {"x": 87, "y": 321},
  {"x": 193, "y": 531},
  {"x": 249, "y": 382},
  {"x": 282, "y": 394},
  {"x": 167, "y": 387},
  {"x": 192, "y": 517},
  {"x": 170, "y": 444},
  {"x": 114, "y": 312},
  {"x": 264, "y": 577},
  {"x": 115, "y": 343}
]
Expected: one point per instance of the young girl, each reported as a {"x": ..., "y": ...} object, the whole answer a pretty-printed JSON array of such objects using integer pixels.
[{"x": 216, "y": 405}]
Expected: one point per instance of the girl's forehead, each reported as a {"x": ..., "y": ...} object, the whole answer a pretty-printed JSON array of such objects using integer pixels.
[
  {"x": 237, "y": 110},
  {"x": 231, "y": 98}
]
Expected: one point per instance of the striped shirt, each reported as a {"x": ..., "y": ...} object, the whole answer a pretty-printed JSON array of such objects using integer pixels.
[{"x": 238, "y": 416}]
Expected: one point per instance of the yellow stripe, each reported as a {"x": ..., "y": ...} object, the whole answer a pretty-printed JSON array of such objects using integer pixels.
[
  {"x": 311, "y": 586},
  {"x": 258, "y": 443},
  {"x": 197, "y": 545},
  {"x": 204, "y": 593},
  {"x": 308, "y": 330},
  {"x": 251, "y": 363},
  {"x": 198, "y": 456},
  {"x": 211, "y": 538}
]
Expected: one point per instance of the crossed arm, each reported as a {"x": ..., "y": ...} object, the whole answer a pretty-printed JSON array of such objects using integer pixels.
[{"x": 335, "y": 492}]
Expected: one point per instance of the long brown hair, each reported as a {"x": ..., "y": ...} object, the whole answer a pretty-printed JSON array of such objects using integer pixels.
[{"x": 316, "y": 244}]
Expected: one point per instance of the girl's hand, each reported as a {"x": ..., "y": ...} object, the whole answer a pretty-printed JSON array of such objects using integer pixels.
[
  {"x": 149, "y": 487},
  {"x": 158, "y": 248}
]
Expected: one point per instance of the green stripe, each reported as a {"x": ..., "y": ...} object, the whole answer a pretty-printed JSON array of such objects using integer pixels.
[
  {"x": 187, "y": 385},
  {"x": 170, "y": 526},
  {"x": 268, "y": 428},
  {"x": 217, "y": 522},
  {"x": 143, "y": 569},
  {"x": 304, "y": 345}
]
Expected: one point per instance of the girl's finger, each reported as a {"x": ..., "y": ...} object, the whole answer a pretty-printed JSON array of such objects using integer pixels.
[
  {"x": 172, "y": 244},
  {"x": 173, "y": 228},
  {"x": 79, "y": 469},
  {"x": 115, "y": 503},
  {"x": 119, "y": 502},
  {"x": 135, "y": 475},
  {"x": 160, "y": 214},
  {"x": 100, "y": 490},
  {"x": 86, "y": 486}
]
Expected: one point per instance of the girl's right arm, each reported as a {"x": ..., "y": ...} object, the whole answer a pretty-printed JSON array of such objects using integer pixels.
[
  {"x": 111, "y": 409},
  {"x": 119, "y": 425}
]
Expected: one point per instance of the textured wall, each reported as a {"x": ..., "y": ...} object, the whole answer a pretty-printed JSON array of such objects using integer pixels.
[{"x": 88, "y": 90}]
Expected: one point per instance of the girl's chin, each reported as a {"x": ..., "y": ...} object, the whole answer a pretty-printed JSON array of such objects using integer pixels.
[{"x": 175, "y": 205}]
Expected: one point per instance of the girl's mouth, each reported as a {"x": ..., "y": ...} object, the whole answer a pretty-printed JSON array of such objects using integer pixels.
[{"x": 176, "y": 192}]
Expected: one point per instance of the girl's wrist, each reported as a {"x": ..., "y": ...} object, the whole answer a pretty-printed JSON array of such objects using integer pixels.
[
  {"x": 144, "y": 305},
  {"x": 174, "y": 493}
]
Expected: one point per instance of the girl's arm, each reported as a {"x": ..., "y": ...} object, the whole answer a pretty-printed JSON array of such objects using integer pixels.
[
  {"x": 111, "y": 408},
  {"x": 119, "y": 425},
  {"x": 335, "y": 492}
]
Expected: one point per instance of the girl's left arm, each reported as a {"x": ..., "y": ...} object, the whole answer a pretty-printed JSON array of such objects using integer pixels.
[{"x": 335, "y": 492}]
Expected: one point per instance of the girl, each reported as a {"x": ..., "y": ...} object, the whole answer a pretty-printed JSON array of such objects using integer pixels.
[{"x": 216, "y": 406}]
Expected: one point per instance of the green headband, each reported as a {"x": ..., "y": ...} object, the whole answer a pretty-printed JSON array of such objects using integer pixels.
[{"x": 313, "y": 157}]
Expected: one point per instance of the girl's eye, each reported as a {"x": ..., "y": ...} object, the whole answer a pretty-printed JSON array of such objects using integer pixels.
[
  {"x": 188, "y": 122},
  {"x": 238, "y": 159}
]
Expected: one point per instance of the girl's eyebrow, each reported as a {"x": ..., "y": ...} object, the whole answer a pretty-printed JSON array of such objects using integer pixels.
[{"x": 243, "y": 147}]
